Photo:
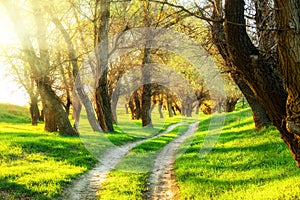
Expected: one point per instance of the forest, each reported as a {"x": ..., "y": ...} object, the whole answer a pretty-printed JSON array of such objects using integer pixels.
[{"x": 162, "y": 96}]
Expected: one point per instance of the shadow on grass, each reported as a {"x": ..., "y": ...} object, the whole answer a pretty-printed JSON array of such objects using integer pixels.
[
  {"x": 74, "y": 154},
  {"x": 11, "y": 190}
]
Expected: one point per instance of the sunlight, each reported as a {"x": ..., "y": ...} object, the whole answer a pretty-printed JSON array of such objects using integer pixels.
[
  {"x": 10, "y": 92},
  {"x": 7, "y": 35}
]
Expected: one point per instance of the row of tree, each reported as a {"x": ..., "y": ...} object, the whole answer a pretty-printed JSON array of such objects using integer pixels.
[{"x": 255, "y": 41}]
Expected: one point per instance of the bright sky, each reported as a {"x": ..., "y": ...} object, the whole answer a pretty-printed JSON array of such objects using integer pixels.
[{"x": 10, "y": 92}]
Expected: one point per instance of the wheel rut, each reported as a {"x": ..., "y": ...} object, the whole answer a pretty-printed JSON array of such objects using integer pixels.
[
  {"x": 162, "y": 178},
  {"x": 87, "y": 185}
]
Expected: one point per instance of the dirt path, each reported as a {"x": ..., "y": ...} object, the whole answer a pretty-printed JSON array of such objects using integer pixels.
[
  {"x": 162, "y": 179},
  {"x": 87, "y": 185}
]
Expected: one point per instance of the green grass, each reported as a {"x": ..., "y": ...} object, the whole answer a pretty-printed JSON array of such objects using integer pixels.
[
  {"x": 243, "y": 165},
  {"x": 14, "y": 114},
  {"x": 37, "y": 165},
  {"x": 129, "y": 179}
]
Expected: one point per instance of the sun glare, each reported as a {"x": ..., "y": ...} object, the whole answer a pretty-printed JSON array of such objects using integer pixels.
[
  {"x": 7, "y": 35},
  {"x": 10, "y": 91}
]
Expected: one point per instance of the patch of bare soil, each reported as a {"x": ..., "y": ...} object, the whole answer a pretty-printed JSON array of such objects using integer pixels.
[
  {"x": 162, "y": 179},
  {"x": 87, "y": 185}
]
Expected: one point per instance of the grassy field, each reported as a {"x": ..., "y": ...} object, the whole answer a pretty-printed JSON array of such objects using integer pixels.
[
  {"x": 35, "y": 164},
  {"x": 244, "y": 164}
]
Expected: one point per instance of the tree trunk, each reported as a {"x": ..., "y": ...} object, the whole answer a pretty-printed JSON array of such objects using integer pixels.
[
  {"x": 137, "y": 103},
  {"x": 288, "y": 20},
  {"x": 259, "y": 114},
  {"x": 126, "y": 108},
  {"x": 42, "y": 115},
  {"x": 230, "y": 103},
  {"x": 146, "y": 93},
  {"x": 160, "y": 105},
  {"x": 114, "y": 102},
  {"x": 76, "y": 105},
  {"x": 169, "y": 103},
  {"x": 183, "y": 108},
  {"x": 260, "y": 74},
  {"x": 34, "y": 110},
  {"x": 103, "y": 107},
  {"x": 189, "y": 106},
  {"x": 49, "y": 118},
  {"x": 131, "y": 107},
  {"x": 54, "y": 111}
]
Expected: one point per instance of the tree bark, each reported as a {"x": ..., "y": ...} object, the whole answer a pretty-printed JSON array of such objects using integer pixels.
[
  {"x": 288, "y": 34},
  {"x": 137, "y": 103},
  {"x": 230, "y": 103},
  {"x": 169, "y": 103},
  {"x": 260, "y": 75},
  {"x": 34, "y": 110},
  {"x": 260, "y": 116},
  {"x": 114, "y": 102},
  {"x": 103, "y": 107},
  {"x": 50, "y": 119},
  {"x": 147, "y": 91},
  {"x": 259, "y": 113}
]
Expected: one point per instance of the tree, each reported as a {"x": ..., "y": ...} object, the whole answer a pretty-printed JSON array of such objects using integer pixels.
[
  {"x": 218, "y": 36},
  {"x": 56, "y": 116},
  {"x": 103, "y": 106},
  {"x": 79, "y": 91},
  {"x": 261, "y": 75},
  {"x": 288, "y": 35}
]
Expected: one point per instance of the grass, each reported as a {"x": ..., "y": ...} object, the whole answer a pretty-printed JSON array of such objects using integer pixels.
[
  {"x": 244, "y": 164},
  {"x": 129, "y": 179},
  {"x": 35, "y": 164},
  {"x": 14, "y": 114}
]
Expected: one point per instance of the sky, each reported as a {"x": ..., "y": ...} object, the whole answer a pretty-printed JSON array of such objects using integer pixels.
[{"x": 10, "y": 92}]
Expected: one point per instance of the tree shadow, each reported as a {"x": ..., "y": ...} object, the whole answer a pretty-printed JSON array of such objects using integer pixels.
[
  {"x": 74, "y": 154},
  {"x": 11, "y": 190}
]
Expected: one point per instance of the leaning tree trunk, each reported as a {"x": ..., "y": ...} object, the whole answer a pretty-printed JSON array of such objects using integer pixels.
[
  {"x": 54, "y": 110},
  {"x": 260, "y": 74},
  {"x": 40, "y": 64},
  {"x": 288, "y": 34},
  {"x": 79, "y": 91},
  {"x": 260, "y": 116}
]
